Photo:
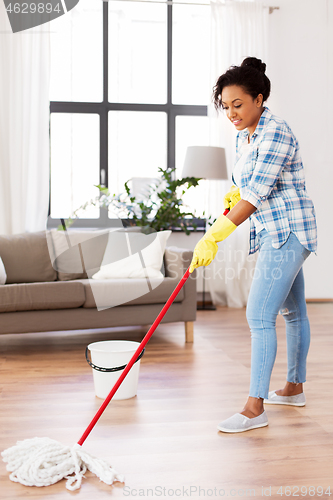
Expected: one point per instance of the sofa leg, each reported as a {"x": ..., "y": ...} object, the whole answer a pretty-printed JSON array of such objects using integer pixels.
[{"x": 189, "y": 331}]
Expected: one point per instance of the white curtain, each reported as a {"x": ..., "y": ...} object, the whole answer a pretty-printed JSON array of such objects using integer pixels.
[
  {"x": 24, "y": 127},
  {"x": 238, "y": 29}
]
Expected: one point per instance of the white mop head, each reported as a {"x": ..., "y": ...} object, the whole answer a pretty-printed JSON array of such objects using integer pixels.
[{"x": 43, "y": 461}]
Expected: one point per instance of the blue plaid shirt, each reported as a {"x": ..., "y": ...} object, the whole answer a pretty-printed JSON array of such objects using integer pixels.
[{"x": 273, "y": 180}]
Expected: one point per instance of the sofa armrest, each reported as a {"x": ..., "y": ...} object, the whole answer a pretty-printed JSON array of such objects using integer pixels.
[{"x": 176, "y": 261}]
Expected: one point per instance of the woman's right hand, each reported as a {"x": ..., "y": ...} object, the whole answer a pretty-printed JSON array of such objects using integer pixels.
[
  {"x": 206, "y": 248},
  {"x": 204, "y": 252}
]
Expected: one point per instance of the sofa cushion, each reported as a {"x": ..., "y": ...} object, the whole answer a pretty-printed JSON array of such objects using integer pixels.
[
  {"x": 3, "y": 275},
  {"x": 39, "y": 296},
  {"x": 110, "y": 293},
  {"x": 74, "y": 252},
  {"x": 26, "y": 258},
  {"x": 133, "y": 255}
]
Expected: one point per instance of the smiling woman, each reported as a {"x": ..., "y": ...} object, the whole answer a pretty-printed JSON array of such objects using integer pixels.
[
  {"x": 241, "y": 109},
  {"x": 241, "y": 92},
  {"x": 269, "y": 174}
]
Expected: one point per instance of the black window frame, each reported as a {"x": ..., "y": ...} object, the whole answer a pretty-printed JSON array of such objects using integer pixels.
[{"x": 103, "y": 108}]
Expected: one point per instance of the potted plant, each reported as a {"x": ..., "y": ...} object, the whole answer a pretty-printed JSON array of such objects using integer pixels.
[{"x": 160, "y": 209}]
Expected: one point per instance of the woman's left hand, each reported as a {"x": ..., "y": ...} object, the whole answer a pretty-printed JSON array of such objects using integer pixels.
[{"x": 232, "y": 198}]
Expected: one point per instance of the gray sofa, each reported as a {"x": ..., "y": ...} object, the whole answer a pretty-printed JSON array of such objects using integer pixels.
[{"x": 45, "y": 292}]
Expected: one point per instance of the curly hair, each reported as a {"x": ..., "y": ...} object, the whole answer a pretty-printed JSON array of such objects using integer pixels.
[{"x": 250, "y": 75}]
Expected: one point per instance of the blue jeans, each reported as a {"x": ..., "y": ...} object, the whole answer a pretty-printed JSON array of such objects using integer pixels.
[{"x": 278, "y": 285}]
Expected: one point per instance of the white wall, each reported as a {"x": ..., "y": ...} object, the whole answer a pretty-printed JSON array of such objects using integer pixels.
[{"x": 300, "y": 67}]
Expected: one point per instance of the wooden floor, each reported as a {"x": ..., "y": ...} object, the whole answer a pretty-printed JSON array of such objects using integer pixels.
[{"x": 166, "y": 437}]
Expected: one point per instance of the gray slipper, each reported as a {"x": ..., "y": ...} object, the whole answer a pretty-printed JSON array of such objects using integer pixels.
[
  {"x": 241, "y": 423},
  {"x": 275, "y": 399}
]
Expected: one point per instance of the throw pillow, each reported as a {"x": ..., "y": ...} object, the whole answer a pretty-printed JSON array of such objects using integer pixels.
[
  {"x": 133, "y": 255},
  {"x": 3, "y": 275},
  {"x": 26, "y": 258},
  {"x": 75, "y": 251}
]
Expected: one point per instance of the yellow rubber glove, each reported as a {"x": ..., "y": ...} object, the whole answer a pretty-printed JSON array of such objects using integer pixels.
[
  {"x": 231, "y": 198},
  {"x": 206, "y": 248}
]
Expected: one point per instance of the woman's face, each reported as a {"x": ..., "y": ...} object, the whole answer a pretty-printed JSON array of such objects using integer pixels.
[{"x": 241, "y": 109}]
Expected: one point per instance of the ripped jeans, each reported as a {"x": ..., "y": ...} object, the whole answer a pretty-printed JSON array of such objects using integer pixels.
[{"x": 278, "y": 285}]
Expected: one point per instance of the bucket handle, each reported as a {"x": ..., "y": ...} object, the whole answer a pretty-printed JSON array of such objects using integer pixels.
[{"x": 116, "y": 369}]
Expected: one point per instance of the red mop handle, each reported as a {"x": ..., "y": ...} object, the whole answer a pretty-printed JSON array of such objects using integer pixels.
[
  {"x": 227, "y": 210},
  {"x": 134, "y": 358}
]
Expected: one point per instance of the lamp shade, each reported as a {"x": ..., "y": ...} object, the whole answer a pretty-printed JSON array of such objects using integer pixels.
[{"x": 207, "y": 162}]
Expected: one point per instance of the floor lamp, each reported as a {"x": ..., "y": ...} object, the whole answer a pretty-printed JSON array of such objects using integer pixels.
[{"x": 209, "y": 163}]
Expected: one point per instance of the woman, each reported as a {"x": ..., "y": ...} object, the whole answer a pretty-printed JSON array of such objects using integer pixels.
[{"x": 270, "y": 176}]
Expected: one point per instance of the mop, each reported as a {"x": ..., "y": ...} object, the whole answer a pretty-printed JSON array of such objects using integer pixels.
[{"x": 44, "y": 461}]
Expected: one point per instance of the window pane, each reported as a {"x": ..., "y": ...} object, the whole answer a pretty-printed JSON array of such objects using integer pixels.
[
  {"x": 77, "y": 54},
  {"x": 137, "y": 146},
  {"x": 191, "y": 48},
  {"x": 191, "y": 131},
  {"x": 74, "y": 163},
  {"x": 137, "y": 52}
]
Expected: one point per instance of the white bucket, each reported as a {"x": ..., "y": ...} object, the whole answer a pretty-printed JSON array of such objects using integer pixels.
[{"x": 111, "y": 354}]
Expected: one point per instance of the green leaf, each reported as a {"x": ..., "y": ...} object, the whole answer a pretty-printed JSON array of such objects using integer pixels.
[{"x": 102, "y": 189}]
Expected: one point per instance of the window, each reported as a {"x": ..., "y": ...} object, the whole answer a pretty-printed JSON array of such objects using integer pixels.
[{"x": 129, "y": 93}]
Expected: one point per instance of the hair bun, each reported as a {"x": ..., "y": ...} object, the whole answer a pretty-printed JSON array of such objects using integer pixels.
[{"x": 253, "y": 62}]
